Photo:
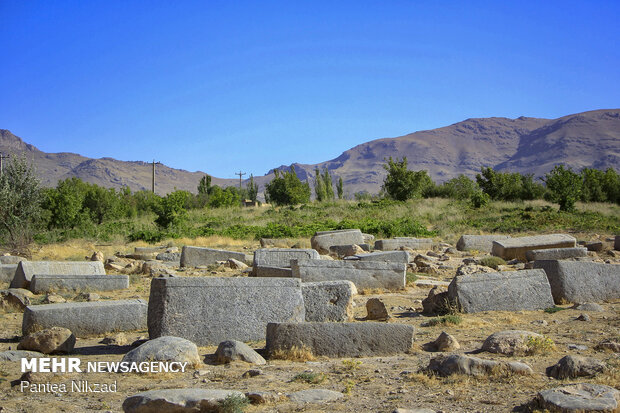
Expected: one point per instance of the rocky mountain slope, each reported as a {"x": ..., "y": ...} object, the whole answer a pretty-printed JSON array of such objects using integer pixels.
[{"x": 526, "y": 145}]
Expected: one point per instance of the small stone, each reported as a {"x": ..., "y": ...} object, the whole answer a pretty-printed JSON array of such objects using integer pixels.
[
  {"x": 589, "y": 307},
  {"x": 119, "y": 339},
  {"x": 315, "y": 396},
  {"x": 252, "y": 373},
  {"x": 583, "y": 317},
  {"x": 541, "y": 323},
  {"x": 262, "y": 397},
  {"x": 53, "y": 340},
  {"x": 231, "y": 350},
  {"x": 97, "y": 256},
  {"x": 376, "y": 310},
  {"x": 570, "y": 367},
  {"x": 472, "y": 269},
  {"x": 89, "y": 296},
  {"x": 166, "y": 348},
  {"x": 15, "y": 298},
  {"x": 445, "y": 342},
  {"x": 177, "y": 400},
  {"x": 609, "y": 345},
  {"x": 509, "y": 342},
  {"x": 576, "y": 347},
  {"x": 581, "y": 397},
  {"x": 236, "y": 264},
  {"x": 54, "y": 299}
]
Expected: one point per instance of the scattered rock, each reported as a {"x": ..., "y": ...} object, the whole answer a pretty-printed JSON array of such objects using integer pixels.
[
  {"x": 53, "y": 299},
  {"x": 594, "y": 246},
  {"x": 445, "y": 342},
  {"x": 166, "y": 348},
  {"x": 460, "y": 364},
  {"x": 177, "y": 400},
  {"x": 416, "y": 410},
  {"x": 570, "y": 367},
  {"x": 97, "y": 256},
  {"x": 589, "y": 307},
  {"x": 236, "y": 264},
  {"x": 469, "y": 269},
  {"x": 119, "y": 339},
  {"x": 436, "y": 302},
  {"x": 231, "y": 350},
  {"x": 88, "y": 296},
  {"x": 581, "y": 397},
  {"x": 576, "y": 347},
  {"x": 424, "y": 261},
  {"x": 376, "y": 310},
  {"x": 509, "y": 342},
  {"x": 252, "y": 373},
  {"x": 583, "y": 317},
  {"x": 315, "y": 396},
  {"x": 609, "y": 345},
  {"x": 53, "y": 340},
  {"x": 169, "y": 256},
  {"x": 262, "y": 397},
  {"x": 17, "y": 355},
  {"x": 17, "y": 298}
]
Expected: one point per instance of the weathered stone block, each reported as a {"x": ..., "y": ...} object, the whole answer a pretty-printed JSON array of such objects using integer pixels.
[
  {"x": 11, "y": 259},
  {"x": 617, "y": 243},
  {"x": 197, "y": 256},
  {"x": 322, "y": 240},
  {"x": 7, "y": 272},
  {"x": 328, "y": 300},
  {"x": 277, "y": 272},
  {"x": 391, "y": 256},
  {"x": 517, "y": 247},
  {"x": 502, "y": 291},
  {"x": 482, "y": 243},
  {"x": 43, "y": 283},
  {"x": 26, "y": 269},
  {"x": 209, "y": 310},
  {"x": 281, "y": 257},
  {"x": 150, "y": 250},
  {"x": 403, "y": 242},
  {"x": 87, "y": 318},
  {"x": 556, "y": 253},
  {"x": 341, "y": 339},
  {"x": 364, "y": 274},
  {"x": 580, "y": 282}
]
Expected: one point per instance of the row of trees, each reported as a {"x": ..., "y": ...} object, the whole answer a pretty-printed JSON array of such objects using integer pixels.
[{"x": 561, "y": 185}]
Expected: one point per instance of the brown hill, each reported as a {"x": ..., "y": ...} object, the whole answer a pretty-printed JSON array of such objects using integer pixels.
[{"x": 526, "y": 145}]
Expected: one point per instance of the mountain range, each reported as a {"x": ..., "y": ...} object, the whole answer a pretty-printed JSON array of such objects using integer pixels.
[{"x": 525, "y": 145}]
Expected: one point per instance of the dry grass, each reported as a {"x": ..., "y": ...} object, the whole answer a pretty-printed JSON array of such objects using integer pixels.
[
  {"x": 371, "y": 291},
  {"x": 295, "y": 353}
]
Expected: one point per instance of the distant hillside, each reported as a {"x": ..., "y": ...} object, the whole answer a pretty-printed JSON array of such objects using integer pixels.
[{"x": 526, "y": 145}]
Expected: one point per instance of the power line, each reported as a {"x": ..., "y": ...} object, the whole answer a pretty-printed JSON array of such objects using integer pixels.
[{"x": 240, "y": 175}]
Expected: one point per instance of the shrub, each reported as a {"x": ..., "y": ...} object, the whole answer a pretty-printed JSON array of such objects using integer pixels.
[
  {"x": 479, "y": 199},
  {"x": 233, "y": 403},
  {"x": 224, "y": 197},
  {"x": 310, "y": 378},
  {"x": 539, "y": 345},
  {"x": 171, "y": 209},
  {"x": 564, "y": 186},
  {"x": 554, "y": 309},
  {"x": 493, "y": 262},
  {"x": 450, "y": 319},
  {"x": 286, "y": 189}
]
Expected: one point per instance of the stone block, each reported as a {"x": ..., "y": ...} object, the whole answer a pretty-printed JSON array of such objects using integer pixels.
[
  {"x": 11, "y": 259},
  {"x": 44, "y": 283},
  {"x": 7, "y": 272},
  {"x": 322, "y": 240},
  {"x": 517, "y": 247},
  {"x": 328, "y": 300},
  {"x": 391, "y": 256},
  {"x": 617, "y": 243},
  {"x": 482, "y": 243},
  {"x": 87, "y": 318},
  {"x": 556, "y": 253},
  {"x": 404, "y": 242},
  {"x": 278, "y": 272},
  {"x": 26, "y": 269},
  {"x": 281, "y": 257},
  {"x": 364, "y": 274},
  {"x": 197, "y": 256},
  {"x": 209, "y": 310},
  {"x": 501, "y": 291},
  {"x": 581, "y": 282},
  {"x": 365, "y": 339}
]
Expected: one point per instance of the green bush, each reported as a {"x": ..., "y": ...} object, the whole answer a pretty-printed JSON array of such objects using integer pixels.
[
  {"x": 564, "y": 186},
  {"x": 233, "y": 403},
  {"x": 401, "y": 184},
  {"x": 493, "y": 262},
  {"x": 171, "y": 210},
  {"x": 286, "y": 189},
  {"x": 479, "y": 199}
]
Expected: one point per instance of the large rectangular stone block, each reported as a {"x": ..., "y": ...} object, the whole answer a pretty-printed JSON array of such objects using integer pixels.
[
  {"x": 328, "y": 300},
  {"x": 341, "y": 339},
  {"x": 556, "y": 253},
  {"x": 11, "y": 259},
  {"x": 391, "y": 256},
  {"x": 580, "y": 282},
  {"x": 42, "y": 283},
  {"x": 26, "y": 269},
  {"x": 364, "y": 274},
  {"x": 502, "y": 291},
  {"x": 322, "y": 240},
  {"x": 517, "y": 247},
  {"x": 482, "y": 243},
  {"x": 281, "y": 257},
  {"x": 277, "y": 272},
  {"x": 209, "y": 310},
  {"x": 87, "y": 318},
  {"x": 404, "y": 242},
  {"x": 197, "y": 256},
  {"x": 7, "y": 272}
]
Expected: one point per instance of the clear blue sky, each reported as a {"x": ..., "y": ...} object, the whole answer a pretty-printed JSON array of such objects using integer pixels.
[{"x": 220, "y": 86}]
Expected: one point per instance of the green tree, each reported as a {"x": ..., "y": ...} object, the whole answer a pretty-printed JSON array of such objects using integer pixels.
[
  {"x": 565, "y": 186},
  {"x": 502, "y": 186},
  {"x": 460, "y": 187},
  {"x": 611, "y": 185},
  {"x": 592, "y": 188},
  {"x": 340, "y": 188},
  {"x": 65, "y": 204},
  {"x": 20, "y": 205},
  {"x": 204, "y": 186},
  {"x": 252, "y": 189},
  {"x": 401, "y": 183},
  {"x": 224, "y": 197},
  {"x": 286, "y": 189},
  {"x": 328, "y": 184},
  {"x": 103, "y": 204},
  {"x": 171, "y": 210},
  {"x": 530, "y": 189},
  {"x": 319, "y": 186}
]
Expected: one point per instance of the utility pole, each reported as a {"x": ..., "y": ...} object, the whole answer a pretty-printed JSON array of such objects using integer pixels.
[
  {"x": 153, "y": 181},
  {"x": 240, "y": 175},
  {"x": 2, "y": 157}
]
